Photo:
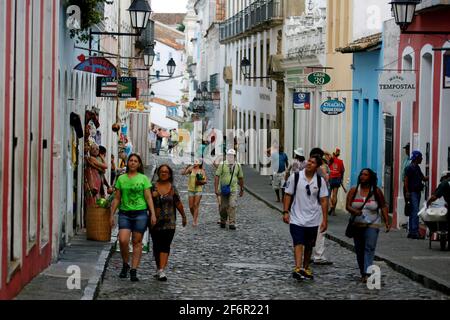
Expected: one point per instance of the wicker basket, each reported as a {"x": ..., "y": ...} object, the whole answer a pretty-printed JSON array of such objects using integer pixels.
[{"x": 98, "y": 227}]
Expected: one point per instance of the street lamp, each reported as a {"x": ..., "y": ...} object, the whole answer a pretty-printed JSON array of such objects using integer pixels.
[
  {"x": 404, "y": 11},
  {"x": 149, "y": 56},
  {"x": 171, "y": 65},
  {"x": 152, "y": 95},
  {"x": 140, "y": 14},
  {"x": 246, "y": 67}
]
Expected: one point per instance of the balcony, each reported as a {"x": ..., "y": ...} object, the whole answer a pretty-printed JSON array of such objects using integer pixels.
[{"x": 260, "y": 15}]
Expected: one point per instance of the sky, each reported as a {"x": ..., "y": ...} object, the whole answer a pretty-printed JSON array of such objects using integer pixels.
[{"x": 169, "y": 6}]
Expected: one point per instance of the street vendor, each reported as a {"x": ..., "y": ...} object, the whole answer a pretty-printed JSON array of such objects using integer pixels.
[{"x": 443, "y": 190}]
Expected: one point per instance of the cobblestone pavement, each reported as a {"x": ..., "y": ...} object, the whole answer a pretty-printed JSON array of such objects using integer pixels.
[{"x": 253, "y": 262}]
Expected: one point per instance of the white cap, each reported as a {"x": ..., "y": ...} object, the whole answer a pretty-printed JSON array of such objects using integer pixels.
[
  {"x": 300, "y": 152},
  {"x": 231, "y": 152}
]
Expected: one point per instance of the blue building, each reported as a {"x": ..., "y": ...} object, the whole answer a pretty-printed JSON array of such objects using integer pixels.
[{"x": 368, "y": 121}]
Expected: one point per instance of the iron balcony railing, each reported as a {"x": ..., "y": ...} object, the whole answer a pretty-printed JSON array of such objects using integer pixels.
[{"x": 253, "y": 16}]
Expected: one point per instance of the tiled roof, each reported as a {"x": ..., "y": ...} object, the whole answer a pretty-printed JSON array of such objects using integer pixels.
[
  {"x": 170, "y": 19},
  {"x": 363, "y": 44},
  {"x": 169, "y": 36},
  {"x": 163, "y": 102}
]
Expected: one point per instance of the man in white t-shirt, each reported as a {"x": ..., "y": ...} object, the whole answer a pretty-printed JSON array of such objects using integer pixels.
[{"x": 308, "y": 211}]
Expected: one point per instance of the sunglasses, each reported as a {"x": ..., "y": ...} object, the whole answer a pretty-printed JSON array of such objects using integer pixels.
[{"x": 308, "y": 190}]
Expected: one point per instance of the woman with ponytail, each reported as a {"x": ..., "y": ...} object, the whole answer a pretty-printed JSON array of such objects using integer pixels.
[{"x": 364, "y": 203}]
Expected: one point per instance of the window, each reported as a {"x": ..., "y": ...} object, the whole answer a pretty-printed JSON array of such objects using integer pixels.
[
  {"x": 158, "y": 56},
  {"x": 157, "y": 74}
]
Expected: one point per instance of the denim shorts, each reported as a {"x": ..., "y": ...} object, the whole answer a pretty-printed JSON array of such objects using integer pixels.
[
  {"x": 305, "y": 236},
  {"x": 136, "y": 221},
  {"x": 195, "y": 193}
]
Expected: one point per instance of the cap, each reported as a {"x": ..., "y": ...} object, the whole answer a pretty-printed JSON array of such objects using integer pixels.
[
  {"x": 231, "y": 152},
  {"x": 416, "y": 154},
  {"x": 300, "y": 152},
  {"x": 337, "y": 151},
  {"x": 407, "y": 146}
]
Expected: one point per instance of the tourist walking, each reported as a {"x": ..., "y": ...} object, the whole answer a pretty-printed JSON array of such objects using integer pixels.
[
  {"x": 319, "y": 257},
  {"x": 229, "y": 175},
  {"x": 305, "y": 209},
  {"x": 134, "y": 200},
  {"x": 196, "y": 181},
  {"x": 280, "y": 163},
  {"x": 414, "y": 186},
  {"x": 167, "y": 202},
  {"x": 337, "y": 171},
  {"x": 298, "y": 163},
  {"x": 159, "y": 140},
  {"x": 364, "y": 203}
]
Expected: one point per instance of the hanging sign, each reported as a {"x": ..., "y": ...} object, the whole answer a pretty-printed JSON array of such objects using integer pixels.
[
  {"x": 100, "y": 66},
  {"x": 397, "y": 87},
  {"x": 110, "y": 87},
  {"x": 447, "y": 71},
  {"x": 319, "y": 78},
  {"x": 332, "y": 107},
  {"x": 302, "y": 101}
]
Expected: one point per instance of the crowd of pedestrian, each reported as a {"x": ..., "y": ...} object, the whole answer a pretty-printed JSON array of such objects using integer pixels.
[{"x": 308, "y": 189}]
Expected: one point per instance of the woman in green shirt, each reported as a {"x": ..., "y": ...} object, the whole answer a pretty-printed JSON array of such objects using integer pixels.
[
  {"x": 134, "y": 199},
  {"x": 197, "y": 179}
]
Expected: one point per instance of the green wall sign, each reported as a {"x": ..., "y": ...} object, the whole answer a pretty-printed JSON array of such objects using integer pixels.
[{"x": 319, "y": 78}]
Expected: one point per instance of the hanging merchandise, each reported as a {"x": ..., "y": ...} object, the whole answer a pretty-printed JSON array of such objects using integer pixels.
[
  {"x": 75, "y": 122},
  {"x": 124, "y": 129},
  {"x": 98, "y": 138},
  {"x": 129, "y": 149}
]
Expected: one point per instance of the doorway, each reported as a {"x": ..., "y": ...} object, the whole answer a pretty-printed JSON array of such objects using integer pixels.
[{"x": 389, "y": 161}]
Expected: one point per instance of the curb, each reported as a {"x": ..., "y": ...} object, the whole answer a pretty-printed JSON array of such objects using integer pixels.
[
  {"x": 91, "y": 291},
  {"x": 427, "y": 280}
]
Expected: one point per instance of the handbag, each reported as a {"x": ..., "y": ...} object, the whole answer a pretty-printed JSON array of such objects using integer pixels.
[
  {"x": 350, "y": 230},
  {"x": 408, "y": 208},
  {"x": 199, "y": 179},
  {"x": 225, "y": 190}
]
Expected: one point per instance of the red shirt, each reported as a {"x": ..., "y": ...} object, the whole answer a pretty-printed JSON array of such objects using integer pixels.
[{"x": 337, "y": 168}]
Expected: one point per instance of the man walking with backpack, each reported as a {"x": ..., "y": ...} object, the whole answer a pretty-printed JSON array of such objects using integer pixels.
[
  {"x": 229, "y": 174},
  {"x": 305, "y": 209}
]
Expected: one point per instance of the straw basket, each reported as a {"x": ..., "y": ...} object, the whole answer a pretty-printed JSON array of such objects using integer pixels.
[{"x": 98, "y": 226}]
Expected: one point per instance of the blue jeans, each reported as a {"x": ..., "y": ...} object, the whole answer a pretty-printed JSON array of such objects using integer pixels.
[
  {"x": 158, "y": 146},
  {"x": 365, "y": 240},
  {"x": 414, "y": 218}
]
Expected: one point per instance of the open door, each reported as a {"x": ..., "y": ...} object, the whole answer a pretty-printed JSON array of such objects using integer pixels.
[{"x": 389, "y": 161}]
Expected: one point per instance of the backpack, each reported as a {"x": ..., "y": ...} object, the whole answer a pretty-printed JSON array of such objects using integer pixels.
[{"x": 297, "y": 178}]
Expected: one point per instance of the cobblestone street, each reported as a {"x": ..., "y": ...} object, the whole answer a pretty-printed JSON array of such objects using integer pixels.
[{"x": 253, "y": 262}]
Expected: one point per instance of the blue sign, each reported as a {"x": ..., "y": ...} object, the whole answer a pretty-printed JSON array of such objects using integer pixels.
[
  {"x": 332, "y": 107},
  {"x": 302, "y": 100}
]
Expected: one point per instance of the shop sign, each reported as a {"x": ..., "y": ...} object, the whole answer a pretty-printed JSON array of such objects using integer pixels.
[
  {"x": 332, "y": 107},
  {"x": 319, "y": 78},
  {"x": 447, "y": 70},
  {"x": 110, "y": 87},
  {"x": 135, "y": 105},
  {"x": 99, "y": 66},
  {"x": 397, "y": 87},
  {"x": 302, "y": 101}
]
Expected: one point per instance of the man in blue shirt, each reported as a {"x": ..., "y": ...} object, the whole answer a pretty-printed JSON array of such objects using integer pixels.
[
  {"x": 414, "y": 179},
  {"x": 280, "y": 163}
]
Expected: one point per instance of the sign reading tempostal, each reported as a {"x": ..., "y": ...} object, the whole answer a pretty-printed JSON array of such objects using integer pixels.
[{"x": 397, "y": 87}]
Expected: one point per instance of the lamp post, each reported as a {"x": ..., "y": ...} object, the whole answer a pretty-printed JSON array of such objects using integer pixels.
[
  {"x": 171, "y": 66},
  {"x": 140, "y": 12},
  {"x": 149, "y": 56},
  {"x": 404, "y": 11},
  {"x": 246, "y": 67}
]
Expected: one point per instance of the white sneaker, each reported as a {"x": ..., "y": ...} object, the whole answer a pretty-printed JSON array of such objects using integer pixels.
[
  {"x": 156, "y": 275},
  {"x": 162, "y": 276}
]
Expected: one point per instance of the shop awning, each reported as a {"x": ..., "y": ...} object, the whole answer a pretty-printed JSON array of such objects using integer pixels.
[{"x": 369, "y": 43}]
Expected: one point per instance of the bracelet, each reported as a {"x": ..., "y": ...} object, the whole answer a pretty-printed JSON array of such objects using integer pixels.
[{"x": 285, "y": 212}]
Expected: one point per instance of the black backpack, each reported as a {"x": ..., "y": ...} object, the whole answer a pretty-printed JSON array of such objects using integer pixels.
[{"x": 297, "y": 178}]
